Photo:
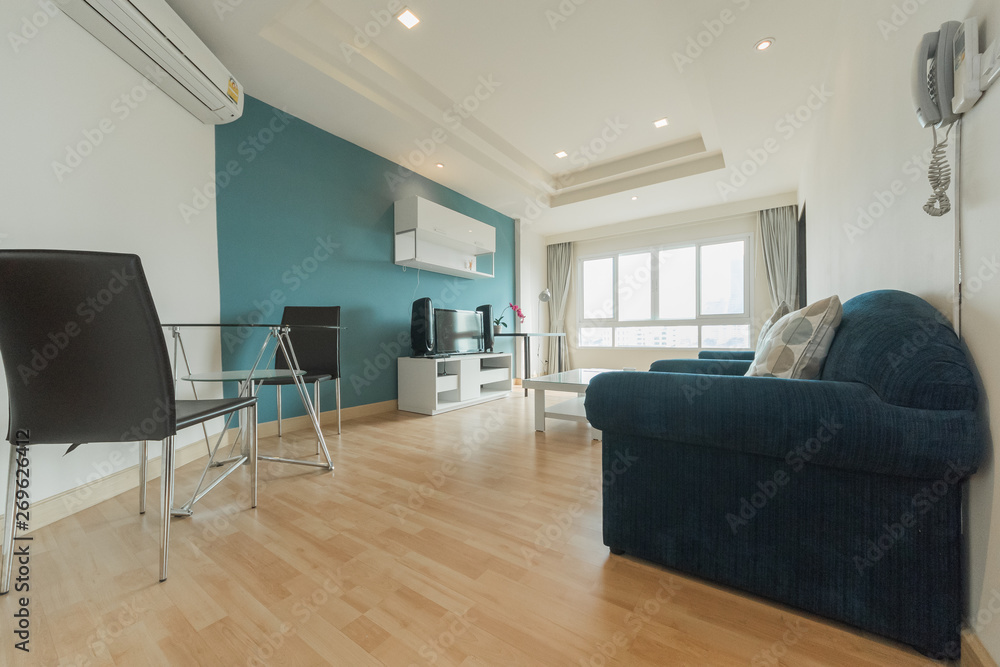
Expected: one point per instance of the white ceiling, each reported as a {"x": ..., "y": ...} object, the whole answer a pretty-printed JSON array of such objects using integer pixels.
[{"x": 493, "y": 90}]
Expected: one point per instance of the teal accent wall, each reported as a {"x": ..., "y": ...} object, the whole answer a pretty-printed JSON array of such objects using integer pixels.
[{"x": 305, "y": 218}]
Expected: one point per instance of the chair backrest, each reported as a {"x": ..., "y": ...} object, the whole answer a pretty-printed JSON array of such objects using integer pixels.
[
  {"x": 83, "y": 351},
  {"x": 317, "y": 350},
  {"x": 905, "y": 350}
]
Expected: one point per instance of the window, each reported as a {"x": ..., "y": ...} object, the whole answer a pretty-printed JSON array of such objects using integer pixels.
[{"x": 687, "y": 296}]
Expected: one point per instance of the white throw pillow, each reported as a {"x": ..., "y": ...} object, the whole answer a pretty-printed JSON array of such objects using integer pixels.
[{"x": 797, "y": 344}]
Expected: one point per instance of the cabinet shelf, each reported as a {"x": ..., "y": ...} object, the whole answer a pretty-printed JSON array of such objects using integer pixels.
[{"x": 447, "y": 270}]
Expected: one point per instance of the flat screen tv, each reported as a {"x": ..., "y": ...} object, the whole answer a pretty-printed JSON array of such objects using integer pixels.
[{"x": 458, "y": 331}]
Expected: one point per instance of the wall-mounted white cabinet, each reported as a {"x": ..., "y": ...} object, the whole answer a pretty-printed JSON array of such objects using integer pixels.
[{"x": 435, "y": 238}]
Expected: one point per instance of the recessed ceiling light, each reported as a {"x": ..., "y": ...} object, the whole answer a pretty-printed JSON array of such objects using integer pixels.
[
  {"x": 407, "y": 18},
  {"x": 634, "y": 198},
  {"x": 764, "y": 44},
  {"x": 439, "y": 165},
  {"x": 561, "y": 154},
  {"x": 663, "y": 122}
]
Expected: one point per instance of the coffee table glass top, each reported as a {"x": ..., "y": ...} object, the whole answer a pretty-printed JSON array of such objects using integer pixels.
[{"x": 578, "y": 376}]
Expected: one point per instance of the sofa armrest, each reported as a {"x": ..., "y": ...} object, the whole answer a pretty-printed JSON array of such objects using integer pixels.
[
  {"x": 701, "y": 366},
  {"x": 734, "y": 355},
  {"x": 837, "y": 424}
]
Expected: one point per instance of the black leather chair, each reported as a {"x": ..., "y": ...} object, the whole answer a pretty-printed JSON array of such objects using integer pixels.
[
  {"x": 317, "y": 351},
  {"x": 86, "y": 361}
]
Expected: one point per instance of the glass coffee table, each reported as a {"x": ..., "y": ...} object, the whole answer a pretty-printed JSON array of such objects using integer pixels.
[{"x": 575, "y": 381}]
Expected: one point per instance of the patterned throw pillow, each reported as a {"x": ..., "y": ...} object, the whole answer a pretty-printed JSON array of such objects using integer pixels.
[
  {"x": 781, "y": 311},
  {"x": 798, "y": 343}
]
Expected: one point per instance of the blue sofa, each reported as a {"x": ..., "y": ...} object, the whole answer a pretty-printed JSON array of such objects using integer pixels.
[{"x": 841, "y": 496}]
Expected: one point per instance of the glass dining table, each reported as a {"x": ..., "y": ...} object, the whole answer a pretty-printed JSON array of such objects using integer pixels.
[{"x": 248, "y": 382}]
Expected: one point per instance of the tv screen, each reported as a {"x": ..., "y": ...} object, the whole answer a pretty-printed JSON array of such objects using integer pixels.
[{"x": 458, "y": 331}]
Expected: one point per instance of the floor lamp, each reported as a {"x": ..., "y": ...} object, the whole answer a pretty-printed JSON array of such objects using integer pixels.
[{"x": 543, "y": 297}]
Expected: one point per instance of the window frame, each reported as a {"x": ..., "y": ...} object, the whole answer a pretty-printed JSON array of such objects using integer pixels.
[{"x": 700, "y": 320}]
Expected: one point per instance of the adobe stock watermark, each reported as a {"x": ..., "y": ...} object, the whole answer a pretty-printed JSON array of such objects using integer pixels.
[
  {"x": 562, "y": 12},
  {"x": 472, "y": 441},
  {"x": 773, "y": 654},
  {"x": 293, "y": 277},
  {"x": 702, "y": 41},
  {"x": 899, "y": 16},
  {"x": 884, "y": 199},
  {"x": 581, "y": 157},
  {"x": 558, "y": 530},
  {"x": 121, "y": 108},
  {"x": 110, "y": 630},
  {"x": 983, "y": 618},
  {"x": 84, "y": 489},
  {"x": 796, "y": 459},
  {"x": 374, "y": 367},
  {"x": 249, "y": 149},
  {"x": 225, "y": 7},
  {"x": 88, "y": 310},
  {"x": 363, "y": 36},
  {"x": 303, "y": 610},
  {"x": 635, "y": 621},
  {"x": 453, "y": 118},
  {"x": 458, "y": 625},
  {"x": 921, "y": 503},
  {"x": 787, "y": 127},
  {"x": 31, "y": 25}
]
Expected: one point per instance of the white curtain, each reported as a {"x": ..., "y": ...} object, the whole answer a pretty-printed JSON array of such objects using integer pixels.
[
  {"x": 560, "y": 267},
  {"x": 779, "y": 237}
]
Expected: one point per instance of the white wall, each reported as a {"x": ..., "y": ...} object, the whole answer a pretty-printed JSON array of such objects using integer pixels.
[
  {"x": 531, "y": 280},
  {"x": 59, "y": 86},
  {"x": 865, "y": 142},
  {"x": 761, "y": 308}
]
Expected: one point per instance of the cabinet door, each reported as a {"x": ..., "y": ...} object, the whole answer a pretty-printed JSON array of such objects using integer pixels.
[{"x": 468, "y": 380}]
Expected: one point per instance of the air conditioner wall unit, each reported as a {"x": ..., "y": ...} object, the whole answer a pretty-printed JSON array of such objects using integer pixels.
[{"x": 152, "y": 38}]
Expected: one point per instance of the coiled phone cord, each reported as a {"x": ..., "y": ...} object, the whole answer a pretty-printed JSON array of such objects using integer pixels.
[{"x": 939, "y": 176}]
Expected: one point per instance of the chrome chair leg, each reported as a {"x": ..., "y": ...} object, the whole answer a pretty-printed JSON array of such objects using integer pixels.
[
  {"x": 252, "y": 435},
  {"x": 319, "y": 414},
  {"x": 8, "y": 523},
  {"x": 166, "y": 501},
  {"x": 278, "y": 393},
  {"x": 337, "y": 381},
  {"x": 143, "y": 464}
]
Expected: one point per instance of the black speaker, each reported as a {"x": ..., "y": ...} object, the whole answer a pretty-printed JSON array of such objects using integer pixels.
[
  {"x": 422, "y": 327},
  {"x": 487, "y": 312}
]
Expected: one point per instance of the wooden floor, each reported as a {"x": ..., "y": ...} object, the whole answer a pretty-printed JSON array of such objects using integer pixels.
[{"x": 462, "y": 539}]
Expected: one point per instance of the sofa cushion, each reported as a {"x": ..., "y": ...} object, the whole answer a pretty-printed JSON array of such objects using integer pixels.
[
  {"x": 905, "y": 350},
  {"x": 797, "y": 344},
  {"x": 779, "y": 312}
]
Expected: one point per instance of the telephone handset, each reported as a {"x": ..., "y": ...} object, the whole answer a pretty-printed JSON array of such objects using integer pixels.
[
  {"x": 933, "y": 87},
  {"x": 934, "y": 76}
]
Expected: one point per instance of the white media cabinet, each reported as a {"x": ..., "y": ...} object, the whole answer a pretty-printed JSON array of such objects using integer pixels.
[{"x": 431, "y": 386}]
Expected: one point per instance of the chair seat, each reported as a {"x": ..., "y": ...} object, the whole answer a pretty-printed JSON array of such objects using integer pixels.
[
  {"x": 195, "y": 412},
  {"x": 318, "y": 377}
]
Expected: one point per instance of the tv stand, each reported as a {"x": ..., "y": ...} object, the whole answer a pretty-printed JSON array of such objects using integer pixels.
[{"x": 430, "y": 386}]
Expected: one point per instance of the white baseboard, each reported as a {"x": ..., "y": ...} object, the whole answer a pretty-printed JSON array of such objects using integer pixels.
[
  {"x": 974, "y": 654},
  {"x": 79, "y": 498},
  {"x": 328, "y": 419}
]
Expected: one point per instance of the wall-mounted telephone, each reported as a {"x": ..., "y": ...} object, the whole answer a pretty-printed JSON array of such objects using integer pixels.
[
  {"x": 949, "y": 75},
  {"x": 933, "y": 77}
]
